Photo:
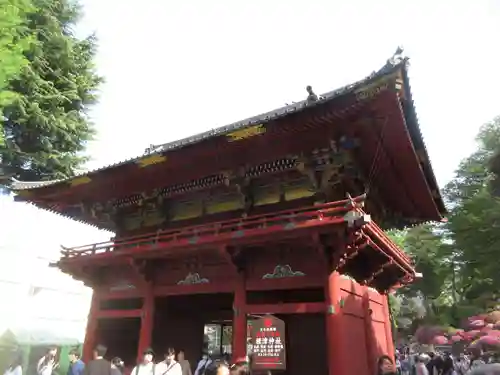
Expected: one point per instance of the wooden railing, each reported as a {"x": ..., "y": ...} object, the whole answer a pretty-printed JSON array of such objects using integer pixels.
[{"x": 252, "y": 226}]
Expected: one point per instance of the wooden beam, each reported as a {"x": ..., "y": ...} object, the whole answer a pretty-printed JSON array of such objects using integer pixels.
[
  {"x": 120, "y": 294},
  {"x": 298, "y": 282},
  {"x": 287, "y": 308},
  {"x": 208, "y": 288},
  {"x": 117, "y": 314}
]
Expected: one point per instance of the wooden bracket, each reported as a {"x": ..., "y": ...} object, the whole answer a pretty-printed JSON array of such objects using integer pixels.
[
  {"x": 139, "y": 270},
  {"x": 322, "y": 248},
  {"x": 230, "y": 256},
  {"x": 305, "y": 168}
]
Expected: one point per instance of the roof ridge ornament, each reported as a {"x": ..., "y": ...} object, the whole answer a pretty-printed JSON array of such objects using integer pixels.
[
  {"x": 397, "y": 57},
  {"x": 311, "y": 97},
  {"x": 152, "y": 149}
]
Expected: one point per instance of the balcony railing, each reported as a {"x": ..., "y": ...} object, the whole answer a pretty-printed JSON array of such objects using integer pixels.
[{"x": 235, "y": 230}]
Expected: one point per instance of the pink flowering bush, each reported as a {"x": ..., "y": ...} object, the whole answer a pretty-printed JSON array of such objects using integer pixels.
[{"x": 479, "y": 331}]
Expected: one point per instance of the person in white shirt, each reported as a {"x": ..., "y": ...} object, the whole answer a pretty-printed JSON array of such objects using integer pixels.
[
  {"x": 169, "y": 366},
  {"x": 15, "y": 368},
  {"x": 147, "y": 366},
  {"x": 420, "y": 367},
  {"x": 47, "y": 363}
]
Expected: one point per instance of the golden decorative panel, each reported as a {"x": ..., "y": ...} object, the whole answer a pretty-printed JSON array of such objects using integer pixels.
[
  {"x": 228, "y": 202},
  {"x": 151, "y": 160},
  {"x": 298, "y": 189},
  {"x": 245, "y": 133},
  {"x": 132, "y": 222},
  {"x": 372, "y": 90},
  {"x": 153, "y": 218},
  {"x": 264, "y": 195},
  {"x": 24, "y": 193},
  {"x": 376, "y": 87},
  {"x": 187, "y": 210},
  {"x": 82, "y": 180}
]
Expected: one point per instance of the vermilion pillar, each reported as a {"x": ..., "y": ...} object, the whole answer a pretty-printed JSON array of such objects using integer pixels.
[
  {"x": 334, "y": 325},
  {"x": 388, "y": 328},
  {"x": 91, "y": 330},
  {"x": 146, "y": 321},
  {"x": 239, "y": 319},
  {"x": 369, "y": 334}
]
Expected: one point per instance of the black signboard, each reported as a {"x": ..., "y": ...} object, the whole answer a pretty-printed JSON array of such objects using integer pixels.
[{"x": 268, "y": 344}]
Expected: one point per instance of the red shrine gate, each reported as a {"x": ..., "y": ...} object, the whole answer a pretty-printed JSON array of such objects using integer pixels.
[
  {"x": 251, "y": 219},
  {"x": 315, "y": 303}
]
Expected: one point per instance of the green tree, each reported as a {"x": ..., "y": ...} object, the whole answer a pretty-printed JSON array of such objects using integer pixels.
[
  {"x": 424, "y": 299},
  {"x": 46, "y": 127},
  {"x": 473, "y": 225},
  {"x": 14, "y": 41},
  {"x": 458, "y": 260}
]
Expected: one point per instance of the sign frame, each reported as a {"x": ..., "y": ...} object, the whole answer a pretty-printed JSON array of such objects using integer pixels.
[{"x": 268, "y": 344}]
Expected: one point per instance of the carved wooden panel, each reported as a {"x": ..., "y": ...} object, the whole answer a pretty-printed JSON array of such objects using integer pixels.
[
  {"x": 118, "y": 279},
  {"x": 202, "y": 274},
  {"x": 268, "y": 264}
]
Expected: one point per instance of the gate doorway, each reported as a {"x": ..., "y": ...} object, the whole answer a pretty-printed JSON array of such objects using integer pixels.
[
  {"x": 121, "y": 336},
  {"x": 305, "y": 332},
  {"x": 218, "y": 338},
  {"x": 305, "y": 339},
  {"x": 181, "y": 322}
]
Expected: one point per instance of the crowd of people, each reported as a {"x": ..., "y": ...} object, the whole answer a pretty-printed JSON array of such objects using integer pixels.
[
  {"x": 173, "y": 363},
  {"x": 436, "y": 363}
]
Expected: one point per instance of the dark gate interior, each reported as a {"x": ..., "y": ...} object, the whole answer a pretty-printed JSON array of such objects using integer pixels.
[
  {"x": 180, "y": 320},
  {"x": 121, "y": 336},
  {"x": 306, "y": 344}
]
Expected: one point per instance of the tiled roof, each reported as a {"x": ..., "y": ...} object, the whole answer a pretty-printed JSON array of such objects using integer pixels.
[{"x": 388, "y": 68}]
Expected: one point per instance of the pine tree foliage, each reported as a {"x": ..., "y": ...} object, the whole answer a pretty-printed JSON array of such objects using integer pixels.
[
  {"x": 46, "y": 128},
  {"x": 14, "y": 41}
]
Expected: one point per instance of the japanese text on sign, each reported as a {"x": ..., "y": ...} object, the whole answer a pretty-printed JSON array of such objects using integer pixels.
[{"x": 268, "y": 340}]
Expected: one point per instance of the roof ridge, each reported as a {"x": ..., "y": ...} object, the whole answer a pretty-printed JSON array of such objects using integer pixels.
[{"x": 392, "y": 64}]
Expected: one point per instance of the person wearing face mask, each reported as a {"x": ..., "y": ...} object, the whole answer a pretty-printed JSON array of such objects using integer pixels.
[
  {"x": 169, "y": 366},
  {"x": 147, "y": 366}
]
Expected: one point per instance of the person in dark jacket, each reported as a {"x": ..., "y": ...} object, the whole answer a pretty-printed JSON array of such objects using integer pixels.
[
  {"x": 98, "y": 366},
  {"x": 76, "y": 365},
  {"x": 217, "y": 367}
]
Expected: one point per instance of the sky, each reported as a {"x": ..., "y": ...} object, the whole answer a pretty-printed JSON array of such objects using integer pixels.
[{"x": 176, "y": 68}]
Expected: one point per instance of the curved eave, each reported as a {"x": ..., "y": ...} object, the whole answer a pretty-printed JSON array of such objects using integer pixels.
[
  {"x": 82, "y": 220},
  {"x": 34, "y": 187},
  {"x": 418, "y": 142},
  {"x": 377, "y": 261}
]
